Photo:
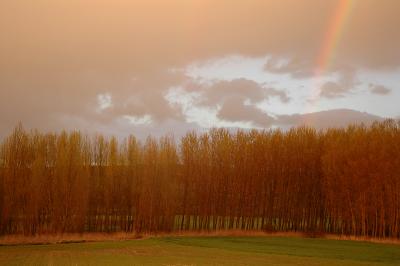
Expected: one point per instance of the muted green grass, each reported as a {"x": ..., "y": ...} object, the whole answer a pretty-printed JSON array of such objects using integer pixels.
[{"x": 205, "y": 251}]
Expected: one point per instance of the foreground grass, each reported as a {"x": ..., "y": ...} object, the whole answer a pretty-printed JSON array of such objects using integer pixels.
[{"x": 205, "y": 251}]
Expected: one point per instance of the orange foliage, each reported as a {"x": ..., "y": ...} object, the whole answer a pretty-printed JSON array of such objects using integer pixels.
[{"x": 338, "y": 181}]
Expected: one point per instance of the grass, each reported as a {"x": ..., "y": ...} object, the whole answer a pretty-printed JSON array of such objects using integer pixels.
[{"x": 205, "y": 251}]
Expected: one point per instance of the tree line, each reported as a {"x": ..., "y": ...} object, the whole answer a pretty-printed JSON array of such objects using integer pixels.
[{"x": 339, "y": 181}]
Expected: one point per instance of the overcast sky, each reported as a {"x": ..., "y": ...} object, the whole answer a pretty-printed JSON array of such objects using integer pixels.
[{"x": 155, "y": 67}]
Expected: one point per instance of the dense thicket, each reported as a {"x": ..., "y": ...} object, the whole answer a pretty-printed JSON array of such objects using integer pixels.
[{"x": 341, "y": 181}]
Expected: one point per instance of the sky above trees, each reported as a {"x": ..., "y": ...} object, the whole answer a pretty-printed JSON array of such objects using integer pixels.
[{"x": 153, "y": 67}]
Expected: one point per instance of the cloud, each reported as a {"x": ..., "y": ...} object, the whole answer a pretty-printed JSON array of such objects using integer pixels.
[
  {"x": 43, "y": 100},
  {"x": 226, "y": 103},
  {"x": 379, "y": 89},
  {"x": 242, "y": 88},
  {"x": 282, "y": 95},
  {"x": 235, "y": 110},
  {"x": 296, "y": 67},
  {"x": 104, "y": 101},
  {"x": 327, "y": 119},
  {"x": 58, "y": 56},
  {"x": 237, "y": 99},
  {"x": 135, "y": 120},
  {"x": 143, "y": 35},
  {"x": 332, "y": 90}
]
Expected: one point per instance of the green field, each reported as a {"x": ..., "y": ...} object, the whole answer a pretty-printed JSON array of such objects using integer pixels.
[{"x": 205, "y": 251}]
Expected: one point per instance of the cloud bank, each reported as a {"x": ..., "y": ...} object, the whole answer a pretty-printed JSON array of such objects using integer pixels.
[{"x": 90, "y": 64}]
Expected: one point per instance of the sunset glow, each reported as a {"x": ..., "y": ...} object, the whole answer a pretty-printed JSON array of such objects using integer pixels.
[
  {"x": 218, "y": 132},
  {"x": 196, "y": 64}
]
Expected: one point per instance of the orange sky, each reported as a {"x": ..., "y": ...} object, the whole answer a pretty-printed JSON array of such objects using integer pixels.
[{"x": 60, "y": 58}]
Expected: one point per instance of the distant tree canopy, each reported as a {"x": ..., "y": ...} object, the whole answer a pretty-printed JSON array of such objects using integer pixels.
[{"x": 340, "y": 181}]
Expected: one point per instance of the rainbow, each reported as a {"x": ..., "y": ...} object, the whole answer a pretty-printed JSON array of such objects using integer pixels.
[
  {"x": 327, "y": 52},
  {"x": 333, "y": 35}
]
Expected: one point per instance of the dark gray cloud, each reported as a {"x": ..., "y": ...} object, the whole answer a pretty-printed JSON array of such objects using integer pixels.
[
  {"x": 327, "y": 119},
  {"x": 346, "y": 83},
  {"x": 237, "y": 98},
  {"x": 332, "y": 90},
  {"x": 234, "y": 110},
  {"x": 379, "y": 89},
  {"x": 241, "y": 88}
]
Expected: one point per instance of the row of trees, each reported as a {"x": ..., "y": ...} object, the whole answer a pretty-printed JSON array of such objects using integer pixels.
[{"x": 341, "y": 181}]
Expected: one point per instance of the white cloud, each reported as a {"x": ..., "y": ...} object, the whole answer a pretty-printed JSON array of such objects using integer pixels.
[
  {"x": 104, "y": 101},
  {"x": 138, "y": 120}
]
